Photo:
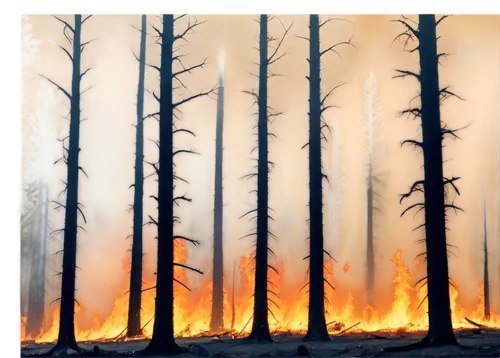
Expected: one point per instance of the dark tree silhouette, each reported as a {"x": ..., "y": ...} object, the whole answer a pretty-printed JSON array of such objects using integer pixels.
[
  {"x": 38, "y": 235},
  {"x": 134, "y": 303},
  {"x": 66, "y": 336},
  {"x": 376, "y": 180},
  {"x": 316, "y": 329},
  {"x": 35, "y": 218},
  {"x": 217, "y": 315},
  {"x": 233, "y": 309},
  {"x": 35, "y": 225},
  {"x": 163, "y": 341},
  {"x": 486, "y": 279},
  {"x": 338, "y": 175},
  {"x": 434, "y": 184},
  {"x": 260, "y": 326}
]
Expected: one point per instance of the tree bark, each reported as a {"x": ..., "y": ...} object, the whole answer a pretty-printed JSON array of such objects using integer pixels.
[
  {"x": 260, "y": 327},
  {"x": 134, "y": 308},
  {"x": 217, "y": 316},
  {"x": 316, "y": 329},
  {"x": 440, "y": 325},
  {"x": 487, "y": 310},
  {"x": 66, "y": 335},
  {"x": 370, "y": 255},
  {"x": 163, "y": 341}
]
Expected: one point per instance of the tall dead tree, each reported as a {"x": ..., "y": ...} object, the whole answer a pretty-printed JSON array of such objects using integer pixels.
[
  {"x": 487, "y": 311},
  {"x": 233, "y": 309},
  {"x": 434, "y": 183},
  {"x": 338, "y": 221},
  {"x": 376, "y": 180},
  {"x": 134, "y": 303},
  {"x": 316, "y": 329},
  {"x": 42, "y": 154},
  {"x": 30, "y": 224},
  {"x": 217, "y": 314},
  {"x": 163, "y": 341},
  {"x": 260, "y": 326},
  {"x": 38, "y": 234},
  {"x": 66, "y": 336}
]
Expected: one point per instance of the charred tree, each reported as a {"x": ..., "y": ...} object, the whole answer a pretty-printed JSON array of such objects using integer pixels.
[
  {"x": 35, "y": 220},
  {"x": 486, "y": 279},
  {"x": 217, "y": 315},
  {"x": 66, "y": 337},
  {"x": 317, "y": 329},
  {"x": 338, "y": 221},
  {"x": 376, "y": 180},
  {"x": 27, "y": 242},
  {"x": 434, "y": 184},
  {"x": 134, "y": 304},
  {"x": 260, "y": 326},
  {"x": 163, "y": 341},
  {"x": 233, "y": 309},
  {"x": 39, "y": 227},
  {"x": 30, "y": 213},
  {"x": 32, "y": 224}
]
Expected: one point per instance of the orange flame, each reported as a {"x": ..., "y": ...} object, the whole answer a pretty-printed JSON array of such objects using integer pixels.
[{"x": 289, "y": 308}]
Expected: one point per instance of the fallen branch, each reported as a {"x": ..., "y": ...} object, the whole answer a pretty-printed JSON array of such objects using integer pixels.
[
  {"x": 478, "y": 325},
  {"x": 376, "y": 336},
  {"x": 245, "y": 326},
  {"x": 120, "y": 336},
  {"x": 345, "y": 330}
]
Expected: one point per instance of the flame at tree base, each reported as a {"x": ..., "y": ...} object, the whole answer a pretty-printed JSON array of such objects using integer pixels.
[{"x": 192, "y": 309}]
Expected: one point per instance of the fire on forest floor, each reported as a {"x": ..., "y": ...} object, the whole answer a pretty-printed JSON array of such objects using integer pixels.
[
  {"x": 407, "y": 311},
  {"x": 474, "y": 343},
  {"x": 405, "y": 314}
]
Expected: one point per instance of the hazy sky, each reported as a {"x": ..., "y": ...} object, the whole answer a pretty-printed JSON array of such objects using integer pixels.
[{"x": 108, "y": 135}]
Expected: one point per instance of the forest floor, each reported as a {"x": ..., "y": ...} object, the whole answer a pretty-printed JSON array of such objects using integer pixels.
[{"x": 473, "y": 343}]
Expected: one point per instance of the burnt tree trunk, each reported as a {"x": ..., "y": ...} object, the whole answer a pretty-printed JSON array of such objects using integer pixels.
[
  {"x": 134, "y": 304},
  {"x": 316, "y": 329},
  {"x": 370, "y": 257},
  {"x": 260, "y": 327},
  {"x": 163, "y": 341},
  {"x": 45, "y": 237},
  {"x": 217, "y": 316},
  {"x": 375, "y": 153},
  {"x": 233, "y": 309},
  {"x": 440, "y": 325},
  {"x": 37, "y": 265},
  {"x": 35, "y": 242},
  {"x": 66, "y": 336},
  {"x": 487, "y": 310}
]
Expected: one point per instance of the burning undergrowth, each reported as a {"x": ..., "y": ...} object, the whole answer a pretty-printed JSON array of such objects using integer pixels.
[{"x": 344, "y": 313}]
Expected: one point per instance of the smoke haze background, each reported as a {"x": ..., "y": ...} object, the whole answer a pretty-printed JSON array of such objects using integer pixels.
[{"x": 107, "y": 149}]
